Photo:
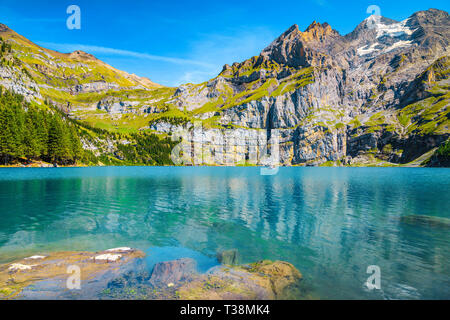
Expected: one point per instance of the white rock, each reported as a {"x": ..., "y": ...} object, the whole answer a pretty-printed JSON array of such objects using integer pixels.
[
  {"x": 19, "y": 266},
  {"x": 120, "y": 249},
  {"x": 108, "y": 257},
  {"x": 35, "y": 257}
]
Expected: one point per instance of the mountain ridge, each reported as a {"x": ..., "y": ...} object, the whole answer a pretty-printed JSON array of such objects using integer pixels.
[{"x": 355, "y": 99}]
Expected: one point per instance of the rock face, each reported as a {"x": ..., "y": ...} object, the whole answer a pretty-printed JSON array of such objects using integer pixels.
[
  {"x": 376, "y": 96},
  {"x": 46, "y": 276}
]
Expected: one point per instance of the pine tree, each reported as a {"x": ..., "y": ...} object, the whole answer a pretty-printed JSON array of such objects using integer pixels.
[
  {"x": 77, "y": 149},
  {"x": 10, "y": 145},
  {"x": 54, "y": 145},
  {"x": 31, "y": 142},
  {"x": 66, "y": 153},
  {"x": 32, "y": 132},
  {"x": 41, "y": 122}
]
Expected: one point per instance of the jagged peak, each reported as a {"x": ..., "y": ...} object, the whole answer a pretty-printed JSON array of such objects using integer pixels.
[
  {"x": 294, "y": 27},
  {"x": 293, "y": 30},
  {"x": 378, "y": 20},
  {"x": 318, "y": 31},
  {"x": 315, "y": 31},
  {"x": 312, "y": 25},
  {"x": 371, "y": 24},
  {"x": 315, "y": 25}
]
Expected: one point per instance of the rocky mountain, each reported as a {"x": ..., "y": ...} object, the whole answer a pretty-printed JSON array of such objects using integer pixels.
[{"x": 377, "y": 96}]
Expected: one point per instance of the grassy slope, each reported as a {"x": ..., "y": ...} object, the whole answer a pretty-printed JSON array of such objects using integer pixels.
[{"x": 57, "y": 74}]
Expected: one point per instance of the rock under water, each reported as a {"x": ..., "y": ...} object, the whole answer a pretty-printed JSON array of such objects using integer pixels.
[
  {"x": 264, "y": 280},
  {"x": 428, "y": 221},
  {"x": 173, "y": 271},
  {"x": 230, "y": 257}
]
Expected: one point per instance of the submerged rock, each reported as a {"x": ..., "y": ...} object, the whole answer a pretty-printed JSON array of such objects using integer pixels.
[
  {"x": 229, "y": 257},
  {"x": 264, "y": 280},
  {"x": 173, "y": 271},
  {"x": 136, "y": 285},
  {"x": 428, "y": 221},
  {"x": 47, "y": 276}
]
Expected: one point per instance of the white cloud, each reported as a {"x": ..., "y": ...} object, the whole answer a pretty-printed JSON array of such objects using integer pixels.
[
  {"x": 202, "y": 60},
  {"x": 70, "y": 47}
]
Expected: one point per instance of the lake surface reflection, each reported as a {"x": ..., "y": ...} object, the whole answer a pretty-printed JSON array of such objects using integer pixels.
[{"x": 331, "y": 223}]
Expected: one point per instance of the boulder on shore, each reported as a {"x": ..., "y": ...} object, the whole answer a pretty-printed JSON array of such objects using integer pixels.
[
  {"x": 120, "y": 273},
  {"x": 264, "y": 280},
  {"x": 47, "y": 276}
]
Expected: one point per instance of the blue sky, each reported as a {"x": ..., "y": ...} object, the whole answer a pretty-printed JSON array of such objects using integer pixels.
[{"x": 175, "y": 42}]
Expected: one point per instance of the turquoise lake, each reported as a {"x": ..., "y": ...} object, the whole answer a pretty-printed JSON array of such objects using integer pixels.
[{"x": 331, "y": 223}]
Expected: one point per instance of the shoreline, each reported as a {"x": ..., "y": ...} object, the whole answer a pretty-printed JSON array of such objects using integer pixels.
[
  {"x": 214, "y": 166},
  {"x": 419, "y": 162},
  {"x": 119, "y": 271}
]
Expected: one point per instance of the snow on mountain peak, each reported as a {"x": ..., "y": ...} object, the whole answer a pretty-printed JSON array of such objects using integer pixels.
[
  {"x": 389, "y": 36},
  {"x": 393, "y": 30}
]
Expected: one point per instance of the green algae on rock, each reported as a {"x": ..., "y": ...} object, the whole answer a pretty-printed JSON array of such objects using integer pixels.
[{"x": 264, "y": 280}]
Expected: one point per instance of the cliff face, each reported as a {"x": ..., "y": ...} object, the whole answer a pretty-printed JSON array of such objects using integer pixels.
[{"x": 378, "y": 95}]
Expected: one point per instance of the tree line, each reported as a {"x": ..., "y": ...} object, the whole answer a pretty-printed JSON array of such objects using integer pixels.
[
  {"x": 32, "y": 132},
  {"x": 29, "y": 132},
  {"x": 148, "y": 149}
]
